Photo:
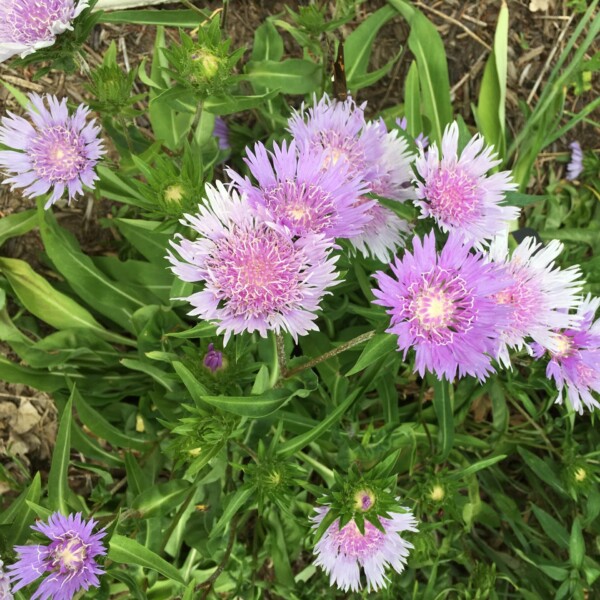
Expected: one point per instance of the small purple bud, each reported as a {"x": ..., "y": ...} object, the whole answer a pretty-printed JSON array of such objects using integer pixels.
[
  {"x": 213, "y": 359},
  {"x": 575, "y": 167}
]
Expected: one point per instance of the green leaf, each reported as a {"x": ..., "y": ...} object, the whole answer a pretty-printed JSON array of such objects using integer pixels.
[
  {"x": 300, "y": 441},
  {"x": 253, "y": 407},
  {"x": 491, "y": 107},
  {"x": 58, "y": 479},
  {"x": 584, "y": 236},
  {"x": 19, "y": 513},
  {"x": 412, "y": 101},
  {"x": 552, "y": 528},
  {"x": 194, "y": 387},
  {"x": 168, "y": 18},
  {"x": 43, "y": 301},
  {"x": 113, "y": 300},
  {"x": 236, "y": 501},
  {"x": 291, "y": 76},
  {"x": 129, "y": 552},
  {"x": 17, "y": 224},
  {"x": 226, "y": 105},
  {"x": 519, "y": 199},
  {"x": 379, "y": 345},
  {"x": 40, "y": 380},
  {"x": 161, "y": 499},
  {"x": 268, "y": 44},
  {"x": 478, "y": 466},
  {"x": 426, "y": 44},
  {"x": 145, "y": 237},
  {"x": 576, "y": 545},
  {"x": 443, "y": 406},
  {"x": 359, "y": 44},
  {"x": 541, "y": 469},
  {"x": 98, "y": 425}
]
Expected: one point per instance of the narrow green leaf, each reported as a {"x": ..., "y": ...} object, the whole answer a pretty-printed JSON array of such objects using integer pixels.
[
  {"x": 412, "y": 101},
  {"x": 226, "y": 105},
  {"x": 359, "y": 44},
  {"x": 129, "y": 552},
  {"x": 236, "y": 501},
  {"x": 168, "y": 18},
  {"x": 291, "y": 76},
  {"x": 541, "y": 469},
  {"x": 253, "y": 407},
  {"x": 20, "y": 514},
  {"x": 98, "y": 425},
  {"x": 40, "y": 380},
  {"x": 443, "y": 406},
  {"x": 194, "y": 387},
  {"x": 576, "y": 545},
  {"x": 382, "y": 344},
  {"x": 428, "y": 49},
  {"x": 58, "y": 479},
  {"x": 17, "y": 224},
  {"x": 300, "y": 441},
  {"x": 161, "y": 499},
  {"x": 478, "y": 466},
  {"x": 552, "y": 528}
]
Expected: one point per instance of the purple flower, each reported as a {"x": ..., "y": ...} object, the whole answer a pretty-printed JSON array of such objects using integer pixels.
[
  {"x": 213, "y": 359},
  {"x": 540, "y": 296},
  {"x": 575, "y": 363},
  {"x": 221, "y": 132},
  {"x": 5, "y": 593},
  {"x": 342, "y": 552},
  {"x": 28, "y": 25},
  {"x": 58, "y": 151},
  {"x": 69, "y": 558},
  {"x": 296, "y": 191},
  {"x": 256, "y": 276},
  {"x": 458, "y": 194},
  {"x": 575, "y": 167},
  {"x": 443, "y": 305},
  {"x": 380, "y": 159}
]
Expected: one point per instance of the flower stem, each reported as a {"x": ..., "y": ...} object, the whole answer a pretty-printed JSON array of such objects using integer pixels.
[{"x": 364, "y": 337}]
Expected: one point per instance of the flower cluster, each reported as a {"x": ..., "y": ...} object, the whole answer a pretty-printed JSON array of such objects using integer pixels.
[
  {"x": 264, "y": 251},
  {"x": 69, "y": 560}
]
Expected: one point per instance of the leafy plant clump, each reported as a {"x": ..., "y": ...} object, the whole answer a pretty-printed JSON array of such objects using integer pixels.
[{"x": 333, "y": 349}]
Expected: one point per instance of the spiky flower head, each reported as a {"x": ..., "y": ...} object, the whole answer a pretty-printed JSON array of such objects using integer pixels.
[
  {"x": 540, "y": 297},
  {"x": 204, "y": 66},
  {"x": 55, "y": 151},
  {"x": 343, "y": 550},
  {"x": 69, "y": 559},
  {"x": 575, "y": 362},
  {"x": 28, "y": 25},
  {"x": 5, "y": 593},
  {"x": 443, "y": 305},
  {"x": 457, "y": 192},
  {"x": 295, "y": 191},
  {"x": 256, "y": 276}
]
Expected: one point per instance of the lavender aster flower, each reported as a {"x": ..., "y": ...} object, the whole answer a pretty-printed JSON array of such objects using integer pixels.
[
  {"x": 5, "y": 593},
  {"x": 342, "y": 552},
  {"x": 28, "y": 25},
  {"x": 575, "y": 167},
  {"x": 540, "y": 296},
  {"x": 443, "y": 305},
  {"x": 213, "y": 359},
  {"x": 575, "y": 364},
  {"x": 294, "y": 190},
  {"x": 380, "y": 159},
  {"x": 59, "y": 151},
  {"x": 69, "y": 558},
  {"x": 458, "y": 194},
  {"x": 256, "y": 276}
]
